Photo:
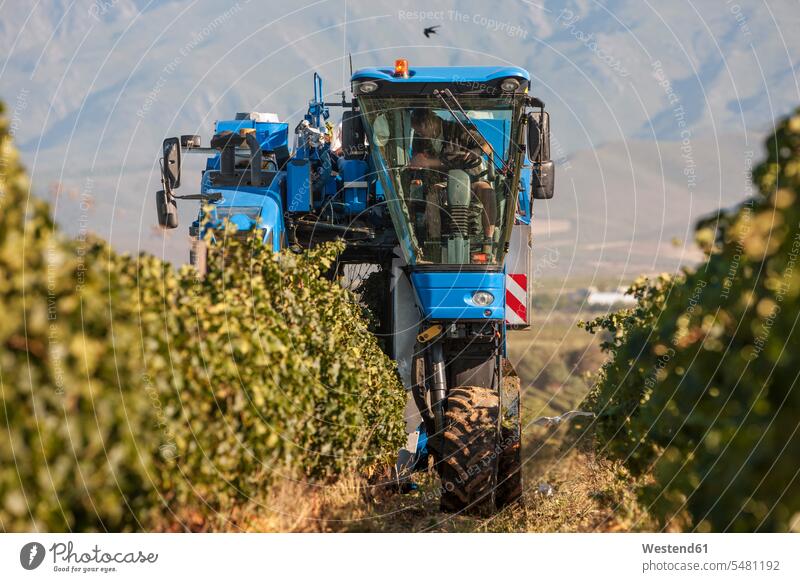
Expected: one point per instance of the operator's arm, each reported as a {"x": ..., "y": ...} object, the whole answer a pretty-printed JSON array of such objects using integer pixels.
[
  {"x": 423, "y": 156},
  {"x": 423, "y": 161},
  {"x": 461, "y": 150}
]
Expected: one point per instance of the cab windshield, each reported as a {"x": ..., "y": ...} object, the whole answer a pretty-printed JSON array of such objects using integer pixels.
[{"x": 447, "y": 174}]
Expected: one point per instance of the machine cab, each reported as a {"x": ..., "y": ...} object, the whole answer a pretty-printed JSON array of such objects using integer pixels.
[{"x": 446, "y": 147}]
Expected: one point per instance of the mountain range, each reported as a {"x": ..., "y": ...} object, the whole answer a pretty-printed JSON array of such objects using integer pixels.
[{"x": 658, "y": 109}]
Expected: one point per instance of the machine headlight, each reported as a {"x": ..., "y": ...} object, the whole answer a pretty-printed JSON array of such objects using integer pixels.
[
  {"x": 366, "y": 86},
  {"x": 482, "y": 298},
  {"x": 509, "y": 85}
]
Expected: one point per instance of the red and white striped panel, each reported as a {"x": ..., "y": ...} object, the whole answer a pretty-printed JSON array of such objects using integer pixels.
[{"x": 516, "y": 299}]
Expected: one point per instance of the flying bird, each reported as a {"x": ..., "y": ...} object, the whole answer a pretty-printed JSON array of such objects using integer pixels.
[
  {"x": 430, "y": 30},
  {"x": 557, "y": 420}
]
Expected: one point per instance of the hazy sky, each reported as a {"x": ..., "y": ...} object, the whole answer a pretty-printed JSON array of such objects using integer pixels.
[{"x": 656, "y": 106}]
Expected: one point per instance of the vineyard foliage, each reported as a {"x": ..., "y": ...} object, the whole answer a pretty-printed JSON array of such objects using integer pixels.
[
  {"x": 701, "y": 395},
  {"x": 131, "y": 392},
  {"x": 273, "y": 372}
]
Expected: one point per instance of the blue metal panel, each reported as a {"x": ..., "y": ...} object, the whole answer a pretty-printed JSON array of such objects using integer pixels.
[
  {"x": 212, "y": 163},
  {"x": 268, "y": 199},
  {"x": 354, "y": 172},
  {"x": 447, "y": 295},
  {"x": 271, "y": 136},
  {"x": 524, "y": 215},
  {"x": 496, "y": 131},
  {"x": 298, "y": 185},
  {"x": 242, "y": 221},
  {"x": 443, "y": 74},
  {"x": 330, "y": 187},
  {"x": 234, "y": 125}
]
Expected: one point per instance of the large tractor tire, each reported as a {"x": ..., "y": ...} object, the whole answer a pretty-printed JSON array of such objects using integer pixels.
[
  {"x": 468, "y": 463},
  {"x": 509, "y": 471}
]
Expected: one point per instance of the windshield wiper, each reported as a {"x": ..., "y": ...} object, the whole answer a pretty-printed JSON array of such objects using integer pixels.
[{"x": 494, "y": 156}]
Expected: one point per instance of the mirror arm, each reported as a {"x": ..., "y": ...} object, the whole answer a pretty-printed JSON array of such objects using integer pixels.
[
  {"x": 164, "y": 182},
  {"x": 210, "y": 197},
  {"x": 536, "y": 102}
]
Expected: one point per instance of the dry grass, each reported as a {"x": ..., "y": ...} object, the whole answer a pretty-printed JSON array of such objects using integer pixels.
[
  {"x": 287, "y": 506},
  {"x": 294, "y": 506},
  {"x": 589, "y": 495}
]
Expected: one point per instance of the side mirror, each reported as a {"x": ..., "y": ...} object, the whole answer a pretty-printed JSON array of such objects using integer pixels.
[
  {"x": 172, "y": 163},
  {"x": 542, "y": 167},
  {"x": 538, "y": 136},
  {"x": 543, "y": 180},
  {"x": 353, "y": 135},
  {"x": 534, "y": 137},
  {"x": 167, "y": 210}
]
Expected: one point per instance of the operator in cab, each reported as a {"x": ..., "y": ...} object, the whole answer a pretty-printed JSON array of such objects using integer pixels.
[{"x": 442, "y": 145}]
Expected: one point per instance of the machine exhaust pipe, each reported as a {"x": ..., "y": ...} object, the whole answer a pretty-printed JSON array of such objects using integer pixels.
[
  {"x": 439, "y": 383},
  {"x": 227, "y": 161},
  {"x": 437, "y": 396},
  {"x": 255, "y": 158}
]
